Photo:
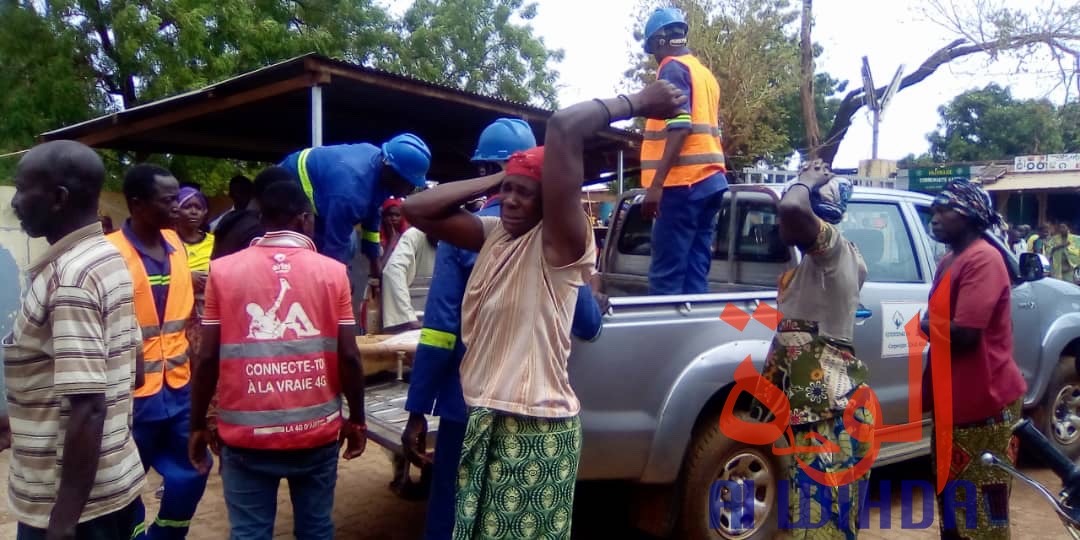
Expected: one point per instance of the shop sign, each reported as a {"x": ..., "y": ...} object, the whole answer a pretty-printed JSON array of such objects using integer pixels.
[
  {"x": 933, "y": 179},
  {"x": 1047, "y": 163}
]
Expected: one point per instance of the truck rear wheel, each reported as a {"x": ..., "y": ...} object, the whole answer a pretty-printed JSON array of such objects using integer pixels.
[
  {"x": 711, "y": 457},
  {"x": 1059, "y": 415}
]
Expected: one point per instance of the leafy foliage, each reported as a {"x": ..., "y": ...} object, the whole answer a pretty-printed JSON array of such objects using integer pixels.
[
  {"x": 80, "y": 58},
  {"x": 991, "y": 124},
  {"x": 482, "y": 46}
]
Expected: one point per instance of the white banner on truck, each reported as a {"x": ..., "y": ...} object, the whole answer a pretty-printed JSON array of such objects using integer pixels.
[{"x": 894, "y": 319}]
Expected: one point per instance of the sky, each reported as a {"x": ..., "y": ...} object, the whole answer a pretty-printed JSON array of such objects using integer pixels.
[{"x": 596, "y": 37}]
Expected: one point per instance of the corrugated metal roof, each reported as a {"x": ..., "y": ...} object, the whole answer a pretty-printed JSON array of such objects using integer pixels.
[
  {"x": 1035, "y": 181},
  {"x": 264, "y": 114}
]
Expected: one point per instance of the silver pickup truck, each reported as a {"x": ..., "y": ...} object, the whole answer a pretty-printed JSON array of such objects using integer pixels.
[{"x": 654, "y": 383}]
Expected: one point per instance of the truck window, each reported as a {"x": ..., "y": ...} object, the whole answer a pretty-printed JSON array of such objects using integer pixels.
[
  {"x": 937, "y": 249},
  {"x": 636, "y": 235},
  {"x": 757, "y": 233},
  {"x": 883, "y": 240}
]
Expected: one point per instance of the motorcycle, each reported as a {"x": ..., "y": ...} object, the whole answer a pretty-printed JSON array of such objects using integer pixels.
[{"x": 1067, "y": 503}]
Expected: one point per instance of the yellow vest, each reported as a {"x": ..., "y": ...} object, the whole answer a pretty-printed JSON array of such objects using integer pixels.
[
  {"x": 703, "y": 154},
  {"x": 165, "y": 346}
]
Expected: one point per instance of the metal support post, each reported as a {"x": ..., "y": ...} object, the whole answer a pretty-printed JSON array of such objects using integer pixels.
[
  {"x": 620, "y": 171},
  {"x": 316, "y": 117}
]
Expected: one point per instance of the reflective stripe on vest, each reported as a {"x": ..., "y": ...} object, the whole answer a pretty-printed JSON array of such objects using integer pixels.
[
  {"x": 264, "y": 349},
  {"x": 437, "y": 338},
  {"x": 305, "y": 180},
  {"x": 283, "y": 394},
  {"x": 165, "y": 345},
  {"x": 280, "y": 417},
  {"x": 702, "y": 154}
]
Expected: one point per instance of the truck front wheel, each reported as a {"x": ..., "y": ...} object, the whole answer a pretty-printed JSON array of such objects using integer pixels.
[
  {"x": 1059, "y": 415},
  {"x": 713, "y": 457}
]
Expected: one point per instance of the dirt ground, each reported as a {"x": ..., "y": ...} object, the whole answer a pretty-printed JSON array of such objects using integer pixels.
[{"x": 366, "y": 509}]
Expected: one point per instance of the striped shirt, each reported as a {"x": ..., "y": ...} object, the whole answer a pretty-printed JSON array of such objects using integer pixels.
[
  {"x": 515, "y": 323},
  {"x": 76, "y": 334}
]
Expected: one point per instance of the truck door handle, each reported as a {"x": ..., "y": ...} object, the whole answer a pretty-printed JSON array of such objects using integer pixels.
[{"x": 863, "y": 313}]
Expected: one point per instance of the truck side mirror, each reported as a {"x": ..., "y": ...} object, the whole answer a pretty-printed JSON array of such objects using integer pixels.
[{"x": 1031, "y": 267}]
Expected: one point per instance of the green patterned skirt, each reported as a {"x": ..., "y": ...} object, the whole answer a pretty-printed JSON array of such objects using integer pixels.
[
  {"x": 517, "y": 476},
  {"x": 991, "y": 484}
]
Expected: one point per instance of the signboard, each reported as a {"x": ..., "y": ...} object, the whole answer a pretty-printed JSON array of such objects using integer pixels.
[
  {"x": 894, "y": 317},
  {"x": 933, "y": 179},
  {"x": 1046, "y": 163}
]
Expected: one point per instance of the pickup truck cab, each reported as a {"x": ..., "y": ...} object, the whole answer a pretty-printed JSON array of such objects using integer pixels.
[{"x": 653, "y": 384}]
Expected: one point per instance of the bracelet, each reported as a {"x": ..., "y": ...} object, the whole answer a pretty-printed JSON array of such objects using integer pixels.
[
  {"x": 606, "y": 110},
  {"x": 628, "y": 103}
]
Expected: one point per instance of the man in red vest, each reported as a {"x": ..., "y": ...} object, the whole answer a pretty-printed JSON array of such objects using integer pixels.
[
  {"x": 682, "y": 164},
  {"x": 279, "y": 347}
]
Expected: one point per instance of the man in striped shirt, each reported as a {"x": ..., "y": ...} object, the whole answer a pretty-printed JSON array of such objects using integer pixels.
[{"x": 71, "y": 360}]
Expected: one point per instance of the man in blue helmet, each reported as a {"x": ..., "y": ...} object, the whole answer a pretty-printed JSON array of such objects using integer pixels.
[
  {"x": 434, "y": 383},
  {"x": 347, "y": 184},
  {"x": 682, "y": 164}
]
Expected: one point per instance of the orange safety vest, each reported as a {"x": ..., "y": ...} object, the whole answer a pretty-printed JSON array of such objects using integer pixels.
[
  {"x": 165, "y": 346},
  {"x": 703, "y": 154}
]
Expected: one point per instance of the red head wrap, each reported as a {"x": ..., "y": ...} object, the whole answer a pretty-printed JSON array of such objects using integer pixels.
[
  {"x": 390, "y": 203},
  {"x": 528, "y": 163}
]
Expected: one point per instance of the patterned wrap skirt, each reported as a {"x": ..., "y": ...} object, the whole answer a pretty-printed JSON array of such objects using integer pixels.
[
  {"x": 819, "y": 376},
  {"x": 516, "y": 477},
  {"x": 967, "y": 472}
]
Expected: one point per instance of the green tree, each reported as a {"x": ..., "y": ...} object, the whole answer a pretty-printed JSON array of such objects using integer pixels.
[
  {"x": 1024, "y": 32},
  {"x": 483, "y": 46},
  {"x": 40, "y": 86},
  {"x": 80, "y": 58},
  {"x": 989, "y": 124}
]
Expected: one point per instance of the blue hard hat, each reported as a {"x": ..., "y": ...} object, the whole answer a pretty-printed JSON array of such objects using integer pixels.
[
  {"x": 409, "y": 156},
  {"x": 502, "y": 138},
  {"x": 660, "y": 19}
]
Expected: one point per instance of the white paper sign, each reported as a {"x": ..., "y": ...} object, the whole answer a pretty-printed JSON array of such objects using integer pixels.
[{"x": 894, "y": 319}]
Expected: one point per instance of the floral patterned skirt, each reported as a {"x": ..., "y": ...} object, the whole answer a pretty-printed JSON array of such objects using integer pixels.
[
  {"x": 823, "y": 511},
  {"x": 819, "y": 376}
]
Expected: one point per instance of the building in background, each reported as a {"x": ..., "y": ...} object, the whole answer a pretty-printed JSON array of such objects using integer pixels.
[{"x": 1029, "y": 190}]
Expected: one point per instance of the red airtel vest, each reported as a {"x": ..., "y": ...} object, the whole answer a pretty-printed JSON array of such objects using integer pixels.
[{"x": 279, "y": 305}]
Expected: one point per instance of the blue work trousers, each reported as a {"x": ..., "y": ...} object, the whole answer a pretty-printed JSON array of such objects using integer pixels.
[
  {"x": 251, "y": 479},
  {"x": 163, "y": 445},
  {"x": 682, "y": 239},
  {"x": 441, "y": 501}
]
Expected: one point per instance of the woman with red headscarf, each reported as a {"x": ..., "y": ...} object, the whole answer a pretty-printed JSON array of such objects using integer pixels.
[
  {"x": 392, "y": 227},
  {"x": 523, "y": 436}
]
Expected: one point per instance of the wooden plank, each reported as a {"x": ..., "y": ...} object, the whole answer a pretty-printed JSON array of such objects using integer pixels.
[{"x": 211, "y": 105}]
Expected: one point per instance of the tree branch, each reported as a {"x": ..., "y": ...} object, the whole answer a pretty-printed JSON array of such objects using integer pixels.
[{"x": 856, "y": 99}]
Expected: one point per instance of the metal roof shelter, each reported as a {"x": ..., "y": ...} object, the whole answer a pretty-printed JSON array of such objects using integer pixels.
[{"x": 313, "y": 100}]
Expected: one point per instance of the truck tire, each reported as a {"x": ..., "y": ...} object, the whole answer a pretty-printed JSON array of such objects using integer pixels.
[
  {"x": 1059, "y": 415},
  {"x": 712, "y": 456}
]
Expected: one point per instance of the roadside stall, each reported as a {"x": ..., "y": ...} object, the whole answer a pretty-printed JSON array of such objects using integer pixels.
[{"x": 312, "y": 101}]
